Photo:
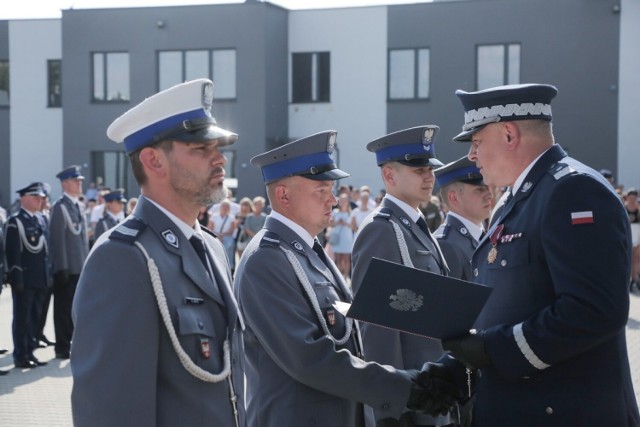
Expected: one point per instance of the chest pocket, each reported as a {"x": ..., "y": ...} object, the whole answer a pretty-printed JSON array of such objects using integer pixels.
[
  {"x": 327, "y": 294},
  {"x": 198, "y": 338}
]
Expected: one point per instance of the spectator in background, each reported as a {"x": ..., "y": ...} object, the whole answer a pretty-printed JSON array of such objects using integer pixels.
[
  {"x": 608, "y": 176},
  {"x": 223, "y": 226},
  {"x": 254, "y": 222},
  {"x": 633, "y": 210},
  {"x": 362, "y": 211},
  {"x": 246, "y": 210},
  {"x": 341, "y": 225}
]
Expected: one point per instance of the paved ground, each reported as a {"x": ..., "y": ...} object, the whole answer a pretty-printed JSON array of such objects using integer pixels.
[{"x": 41, "y": 397}]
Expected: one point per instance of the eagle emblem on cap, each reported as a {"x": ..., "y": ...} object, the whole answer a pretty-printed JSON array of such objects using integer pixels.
[
  {"x": 207, "y": 95},
  {"x": 332, "y": 143},
  {"x": 405, "y": 300},
  {"x": 427, "y": 136}
]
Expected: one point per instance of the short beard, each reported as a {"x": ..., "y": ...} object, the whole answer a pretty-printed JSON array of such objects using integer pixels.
[{"x": 218, "y": 195}]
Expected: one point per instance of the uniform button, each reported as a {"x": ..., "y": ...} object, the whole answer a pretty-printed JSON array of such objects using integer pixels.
[
  {"x": 475, "y": 272},
  {"x": 503, "y": 263},
  {"x": 200, "y": 325},
  {"x": 549, "y": 410}
]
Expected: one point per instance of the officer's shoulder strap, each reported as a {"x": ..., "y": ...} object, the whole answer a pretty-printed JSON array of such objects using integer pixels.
[
  {"x": 269, "y": 238},
  {"x": 442, "y": 231},
  {"x": 560, "y": 170},
  {"x": 384, "y": 214},
  {"x": 209, "y": 232},
  {"x": 129, "y": 230}
]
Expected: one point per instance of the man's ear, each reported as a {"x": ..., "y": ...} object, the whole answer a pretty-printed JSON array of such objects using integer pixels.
[
  {"x": 153, "y": 160},
  {"x": 511, "y": 134},
  {"x": 389, "y": 174}
]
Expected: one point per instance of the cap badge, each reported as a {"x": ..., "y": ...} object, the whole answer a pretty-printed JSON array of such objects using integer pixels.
[
  {"x": 428, "y": 136},
  {"x": 405, "y": 300},
  {"x": 207, "y": 95},
  {"x": 170, "y": 238},
  {"x": 332, "y": 143}
]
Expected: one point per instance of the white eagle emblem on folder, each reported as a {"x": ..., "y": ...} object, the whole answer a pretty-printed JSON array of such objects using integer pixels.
[{"x": 405, "y": 300}]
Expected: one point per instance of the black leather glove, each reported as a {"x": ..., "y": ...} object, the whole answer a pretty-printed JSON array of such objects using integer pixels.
[
  {"x": 61, "y": 277},
  {"x": 469, "y": 349},
  {"x": 434, "y": 390}
]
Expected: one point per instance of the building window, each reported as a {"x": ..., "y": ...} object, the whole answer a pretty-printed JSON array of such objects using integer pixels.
[
  {"x": 498, "y": 64},
  {"x": 111, "y": 77},
  {"x": 409, "y": 73},
  {"x": 219, "y": 65},
  {"x": 112, "y": 167},
  {"x": 310, "y": 77},
  {"x": 4, "y": 83},
  {"x": 54, "y": 88}
]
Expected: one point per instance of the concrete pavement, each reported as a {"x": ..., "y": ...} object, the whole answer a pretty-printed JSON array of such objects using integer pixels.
[{"x": 40, "y": 397}]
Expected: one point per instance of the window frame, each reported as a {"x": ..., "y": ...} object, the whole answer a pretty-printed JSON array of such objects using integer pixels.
[
  {"x": 210, "y": 65},
  {"x": 417, "y": 75},
  {"x": 105, "y": 79},
  {"x": 507, "y": 78},
  {"x": 320, "y": 62},
  {"x": 52, "y": 102}
]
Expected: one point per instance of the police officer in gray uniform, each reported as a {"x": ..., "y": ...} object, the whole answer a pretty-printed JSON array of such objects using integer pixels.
[
  {"x": 304, "y": 359},
  {"x": 406, "y": 159},
  {"x": 113, "y": 212},
  {"x": 26, "y": 247},
  {"x": 69, "y": 248},
  {"x": 157, "y": 339},
  {"x": 468, "y": 201}
]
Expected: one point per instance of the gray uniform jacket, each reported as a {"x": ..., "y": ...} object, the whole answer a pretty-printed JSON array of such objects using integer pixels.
[
  {"x": 68, "y": 244},
  {"x": 105, "y": 223},
  {"x": 376, "y": 238},
  {"x": 457, "y": 245},
  {"x": 296, "y": 374},
  {"x": 125, "y": 369}
]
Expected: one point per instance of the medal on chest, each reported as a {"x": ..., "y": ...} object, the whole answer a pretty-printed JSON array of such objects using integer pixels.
[
  {"x": 495, "y": 236},
  {"x": 205, "y": 348}
]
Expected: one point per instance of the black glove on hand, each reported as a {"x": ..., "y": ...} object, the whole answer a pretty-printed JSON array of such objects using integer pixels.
[
  {"x": 469, "y": 349},
  {"x": 434, "y": 391},
  {"x": 61, "y": 277}
]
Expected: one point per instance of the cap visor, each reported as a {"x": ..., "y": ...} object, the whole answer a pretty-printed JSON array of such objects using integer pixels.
[
  {"x": 418, "y": 163},
  {"x": 208, "y": 133},
  {"x": 331, "y": 175}
]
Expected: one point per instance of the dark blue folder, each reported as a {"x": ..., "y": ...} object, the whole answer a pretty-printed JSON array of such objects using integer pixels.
[{"x": 417, "y": 301}]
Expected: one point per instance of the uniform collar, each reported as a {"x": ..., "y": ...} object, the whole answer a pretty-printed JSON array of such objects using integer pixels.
[
  {"x": 525, "y": 172},
  {"x": 300, "y": 231},
  {"x": 412, "y": 213},
  {"x": 473, "y": 229},
  {"x": 187, "y": 230}
]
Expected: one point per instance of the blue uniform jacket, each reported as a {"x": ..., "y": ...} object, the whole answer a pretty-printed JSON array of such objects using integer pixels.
[{"x": 555, "y": 322}]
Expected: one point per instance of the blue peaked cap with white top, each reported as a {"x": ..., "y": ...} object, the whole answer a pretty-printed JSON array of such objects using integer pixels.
[
  {"x": 180, "y": 113},
  {"x": 309, "y": 157},
  {"x": 461, "y": 170},
  {"x": 504, "y": 103}
]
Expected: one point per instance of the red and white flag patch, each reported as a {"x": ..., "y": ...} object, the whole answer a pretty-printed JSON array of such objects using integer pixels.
[{"x": 585, "y": 217}]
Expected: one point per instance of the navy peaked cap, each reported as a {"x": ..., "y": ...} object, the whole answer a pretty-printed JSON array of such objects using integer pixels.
[
  {"x": 412, "y": 147},
  {"x": 461, "y": 170},
  {"x": 310, "y": 157},
  {"x": 504, "y": 103},
  {"x": 69, "y": 173},
  {"x": 115, "y": 195},
  {"x": 33, "y": 189}
]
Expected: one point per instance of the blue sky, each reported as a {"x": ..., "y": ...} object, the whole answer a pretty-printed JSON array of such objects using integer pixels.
[{"x": 36, "y": 9}]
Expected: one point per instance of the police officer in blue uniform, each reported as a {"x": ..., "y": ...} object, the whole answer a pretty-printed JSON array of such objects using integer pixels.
[
  {"x": 304, "y": 359},
  {"x": 69, "y": 248},
  {"x": 113, "y": 212},
  {"x": 406, "y": 159},
  {"x": 468, "y": 202},
  {"x": 157, "y": 338},
  {"x": 550, "y": 342},
  {"x": 26, "y": 252}
]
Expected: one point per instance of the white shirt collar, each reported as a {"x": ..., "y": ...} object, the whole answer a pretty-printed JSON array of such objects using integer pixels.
[
  {"x": 299, "y": 230},
  {"x": 414, "y": 214},
  {"x": 473, "y": 229},
  {"x": 186, "y": 229},
  {"x": 72, "y": 198}
]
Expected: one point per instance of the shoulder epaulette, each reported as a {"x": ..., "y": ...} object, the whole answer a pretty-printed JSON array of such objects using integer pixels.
[
  {"x": 442, "y": 231},
  {"x": 129, "y": 230},
  {"x": 383, "y": 214},
  {"x": 270, "y": 239},
  {"x": 560, "y": 170},
  {"x": 209, "y": 232}
]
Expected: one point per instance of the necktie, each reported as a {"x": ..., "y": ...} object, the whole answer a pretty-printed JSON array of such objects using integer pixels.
[
  {"x": 198, "y": 245},
  {"x": 423, "y": 226},
  {"x": 317, "y": 248}
]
